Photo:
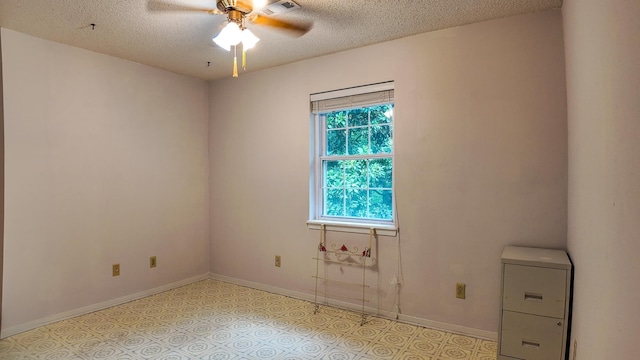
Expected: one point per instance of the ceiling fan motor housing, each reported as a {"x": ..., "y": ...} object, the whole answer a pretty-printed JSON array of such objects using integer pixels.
[
  {"x": 236, "y": 16},
  {"x": 229, "y": 6}
]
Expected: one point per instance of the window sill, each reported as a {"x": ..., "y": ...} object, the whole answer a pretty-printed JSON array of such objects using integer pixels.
[{"x": 352, "y": 227}]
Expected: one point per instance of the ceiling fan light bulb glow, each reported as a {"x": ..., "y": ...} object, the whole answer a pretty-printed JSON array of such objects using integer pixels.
[
  {"x": 249, "y": 40},
  {"x": 259, "y": 4},
  {"x": 231, "y": 35},
  {"x": 224, "y": 46}
]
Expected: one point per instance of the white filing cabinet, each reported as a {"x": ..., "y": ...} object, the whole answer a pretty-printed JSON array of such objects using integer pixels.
[{"x": 534, "y": 309}]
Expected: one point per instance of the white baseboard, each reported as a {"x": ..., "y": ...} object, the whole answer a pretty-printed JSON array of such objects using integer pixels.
[
  {"x": 276, "y": 290},
  {"x": 259, "y": 286},
  {"x": 463, "y": 330},
  {"x": 457, "y": 329},
  {"x": 95, "y": 307}
]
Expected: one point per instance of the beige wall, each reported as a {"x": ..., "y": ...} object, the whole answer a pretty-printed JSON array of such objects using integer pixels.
[
  {"x": 481, "y": 162},
  {"x": 1, "y": 180},
  {"x": 106, "y": 162},
  {"x": 603, "y": 83}
]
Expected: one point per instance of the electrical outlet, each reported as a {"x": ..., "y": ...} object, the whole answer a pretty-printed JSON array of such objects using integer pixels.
[
  {"x": 460, "y": 290},
  {"x": 115, "y": 269},
  {"x": 152, "y": 262},
  {"x": 278, "y": 261}
]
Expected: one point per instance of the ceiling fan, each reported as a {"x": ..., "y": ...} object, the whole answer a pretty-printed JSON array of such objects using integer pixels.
[{"x": 238, "y": 12}]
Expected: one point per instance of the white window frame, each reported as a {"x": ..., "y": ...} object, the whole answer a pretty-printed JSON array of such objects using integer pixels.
[{"x": 339, "y": 100}]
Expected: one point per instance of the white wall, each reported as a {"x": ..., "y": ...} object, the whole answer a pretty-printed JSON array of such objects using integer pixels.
[
  {"x": 603, "y": 82},
  {"x": 1, "y": 179},
  {"x": 481, "y": 162},
  {"x": 106, "y": 162}
]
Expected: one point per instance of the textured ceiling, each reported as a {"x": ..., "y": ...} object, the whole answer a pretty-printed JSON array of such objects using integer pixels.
[{"x": 180, "y": 41}]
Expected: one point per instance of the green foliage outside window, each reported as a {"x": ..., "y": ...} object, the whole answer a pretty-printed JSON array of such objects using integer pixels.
[{"x": 361, "y": 185}]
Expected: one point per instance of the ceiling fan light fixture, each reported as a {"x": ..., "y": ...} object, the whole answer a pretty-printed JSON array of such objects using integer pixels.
[
  {"x": 237, "y": 11},
  {"x": 249, "y": 40},
  {"x": 230, "y": 36}
]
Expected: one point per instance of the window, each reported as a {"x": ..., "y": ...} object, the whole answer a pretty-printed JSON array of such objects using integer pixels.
[{"x": 352, "y": 172}]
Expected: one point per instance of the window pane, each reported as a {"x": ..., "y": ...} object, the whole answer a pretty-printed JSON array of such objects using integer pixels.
[
  {"x": 381, "y": 139},
  {"x": 380, "y": 173},
  {"x": 356, "y": 163},
  {"x": 359, "y": 117},
  {"x": 337, "y": 119},
  {"x": 381, "y": 114},
  {"x": 380, "y": 204},
  {"x": 336, "y": 142},
  {"x": 355, "y": 173},
  {"x": 357, "y": 203},
  {"x": 359, "y": 141},
  {"x": 333, "y": 174},
  {"x": 333, "y": 202}
]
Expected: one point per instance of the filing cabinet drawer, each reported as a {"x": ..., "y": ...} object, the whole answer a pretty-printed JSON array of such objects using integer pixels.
[
  {"x": 534, "y": 290},
  {"x": 531, "y": 337}
]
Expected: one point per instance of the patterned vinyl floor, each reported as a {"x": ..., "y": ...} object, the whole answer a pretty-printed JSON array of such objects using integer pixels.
[{"x": 216, "y": 320}]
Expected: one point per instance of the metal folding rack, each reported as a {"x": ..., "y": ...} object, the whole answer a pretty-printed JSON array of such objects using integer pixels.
[{"x": 343, "y": 255}]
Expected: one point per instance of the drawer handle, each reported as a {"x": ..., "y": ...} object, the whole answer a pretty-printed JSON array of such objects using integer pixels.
[
  {"x": 530, "y": 344},
  {"x": 532, "y": 297}
]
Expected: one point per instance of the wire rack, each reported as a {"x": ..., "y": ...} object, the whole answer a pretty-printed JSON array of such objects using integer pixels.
[{"x": 343, "y": 255}]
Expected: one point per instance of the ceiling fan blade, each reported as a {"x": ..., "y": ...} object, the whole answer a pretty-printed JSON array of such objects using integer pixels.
[
  {"x": 163, "y": 6},
  {"x": 297, "y": 28}
]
